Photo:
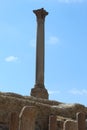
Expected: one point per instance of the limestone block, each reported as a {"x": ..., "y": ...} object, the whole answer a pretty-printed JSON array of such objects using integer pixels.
[
  {"x": 70, "y": 125},
  {"x": 52, "y": 122},
  {"x": 27, "y": 118},
  {"x": 14, "y": 121},
  {"x": 81, "y": 121}
]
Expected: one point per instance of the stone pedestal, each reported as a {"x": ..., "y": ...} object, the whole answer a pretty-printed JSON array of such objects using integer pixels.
[{"x": 39, "y": 90}]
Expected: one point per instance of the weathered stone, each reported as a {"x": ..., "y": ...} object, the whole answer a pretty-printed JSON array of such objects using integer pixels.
[
  {"x": 39, "y": 92},
  {"x": 70, "y": 125},
  {"x": 41, "y": 124},
  {"x": 27, "y": 118},
  {"x": 60, "y": 124},
  {"x": 52, "y": 122},
  {"x": 13, "y": 102},
  {"x": 86, "y": 124},
  {"x": 4, "y": 126},
  {"x": 14, "y": 121},
  {"x": 81, "y": 121},
  {"x": 39, "y": 89}
]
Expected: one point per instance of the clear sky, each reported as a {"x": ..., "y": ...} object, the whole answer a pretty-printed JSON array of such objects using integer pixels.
[{"x": 65, "y": 48}]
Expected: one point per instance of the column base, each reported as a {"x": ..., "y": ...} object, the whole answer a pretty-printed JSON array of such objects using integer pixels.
[{"x": 39, "y": 91}]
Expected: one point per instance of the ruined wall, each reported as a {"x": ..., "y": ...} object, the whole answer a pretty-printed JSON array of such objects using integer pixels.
[{"x": 10, "y": 102}]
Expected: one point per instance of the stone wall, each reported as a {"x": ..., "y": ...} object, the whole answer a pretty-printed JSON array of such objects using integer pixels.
[{"x": 10, "y": 103}]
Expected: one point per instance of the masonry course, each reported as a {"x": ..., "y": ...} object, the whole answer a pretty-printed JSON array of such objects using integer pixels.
[{"x": 11, "y": 102}]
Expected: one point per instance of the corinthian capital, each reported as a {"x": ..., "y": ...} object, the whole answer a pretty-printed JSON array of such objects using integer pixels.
[{"x": 40, "y": 13}]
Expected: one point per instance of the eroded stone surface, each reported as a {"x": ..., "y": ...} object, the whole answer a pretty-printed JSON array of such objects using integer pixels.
[
  {"x": 52, "y": 122},
  {"x": 39, "y": 89},
  {"x": 70, "y": 125},
  {"x": 81, "y": 121},
  {"x": 10, "y": 102},
  {"x": 14, "y": 121},
  {"x": 27, "y": 118}
]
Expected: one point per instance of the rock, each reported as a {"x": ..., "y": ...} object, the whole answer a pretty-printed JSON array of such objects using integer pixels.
[{"x": 11, "y": 102}]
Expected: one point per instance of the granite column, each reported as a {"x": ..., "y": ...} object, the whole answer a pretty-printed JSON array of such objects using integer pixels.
[{"x": 39, "y": 89}]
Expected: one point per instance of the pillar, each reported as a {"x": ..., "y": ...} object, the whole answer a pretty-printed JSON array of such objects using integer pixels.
[{"x": 39, "y": 89}]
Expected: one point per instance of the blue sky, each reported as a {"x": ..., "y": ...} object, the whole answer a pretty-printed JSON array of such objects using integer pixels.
[{"x": 65, "y": 48}]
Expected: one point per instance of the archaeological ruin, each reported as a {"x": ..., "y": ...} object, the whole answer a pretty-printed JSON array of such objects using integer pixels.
[
  {"x": 39, "y": 90},
  {"x": 37, "y": 112}
]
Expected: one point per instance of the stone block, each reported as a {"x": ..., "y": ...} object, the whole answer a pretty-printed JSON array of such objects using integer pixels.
[
  {"x": 14, "y": 121},
  {"x": 52, "y": 122},
  {"x": 39, "y": 92},
  {"x": 27, "y": 118},
  {"x": 70, "y": 125},
  {"x": 81, "y": 121}
]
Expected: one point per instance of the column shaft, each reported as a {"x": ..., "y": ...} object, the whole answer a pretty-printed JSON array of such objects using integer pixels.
[
  {"x": 40, "y": 52},
  {"x": 39, "y": 90}
]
